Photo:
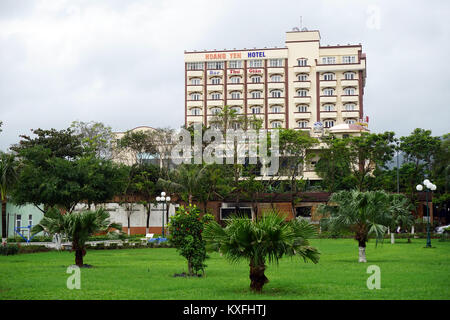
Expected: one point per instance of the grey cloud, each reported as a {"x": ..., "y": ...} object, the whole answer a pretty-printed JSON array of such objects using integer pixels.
[{"x": 133, "y": 74}]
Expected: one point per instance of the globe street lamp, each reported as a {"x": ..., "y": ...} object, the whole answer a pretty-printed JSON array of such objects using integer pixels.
[
  {"x": 163, "y": 199},
  {"x": 432, "y": 187}
]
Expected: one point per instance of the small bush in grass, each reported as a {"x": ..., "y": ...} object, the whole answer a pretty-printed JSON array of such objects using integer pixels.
[
  {"x": 8, "y": 249},
  {"x": 186, "y": 228},
  {"x": 33, "y": 249}
]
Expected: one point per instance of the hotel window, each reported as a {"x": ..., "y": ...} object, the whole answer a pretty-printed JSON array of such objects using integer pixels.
[
  {"x": 196, "y": 111},
  {"x": 195, "y": 66},
  {"x": 328, "y": 123},
  {"x": 19, "y": 221},
  {"x": 215, "y": 65},
  {"x": 349, "y": 76},
  {"x": 328, "y": 107},
  {"x": 276, "y": 124},
  {"x": 30, "y": 220},
  {"x": 235, "y": 64},
  {"x": 349, "y": 59},
  {"x": 350, "y": 107},
  {"x": 256, "y": 79},
  {"x": 302, "y": 124},
  {"x": 236, "y": 125},
  {"x": 215, "y": 111},
  {"x": 215, "y": 80},
  {"x": 236, "y": 109},
  {"x": 275, "y": 109},
  {"x": 349, "y": 91},
  {"x": 302, "y": 108},
  {"x": 302, "y": 93},
  {"x": 256, "y": 110},
  {"x": 195, "y": 81},
  {"x": 302, "y": 62},
  {"x": 275, "y": 62},
  {"x": 235, "y": 79},
  {"x": 328, "y": 60},
  {"x": 328, "y": 92},
  {"x": 256, "y": 94},
  {"x": 196, "y": 96},
  {"x": 254, "y": 126},
  {"x": 235, "y": 95},
  {"x": 216, "y": 96},
  {"x": 350, "y": 121},
  {"x": 328, "y": 76},
  {"x": 302, "y": 77},
  {"x": 276, "y": 93},
  {"x": 255, "y": 63},
  {"x": 275, "y": 78}
]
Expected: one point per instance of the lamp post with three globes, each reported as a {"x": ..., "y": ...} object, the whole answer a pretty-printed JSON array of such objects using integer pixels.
[
  {"x": 432, "y": 187},
  {"x": 163, "y": 199}
]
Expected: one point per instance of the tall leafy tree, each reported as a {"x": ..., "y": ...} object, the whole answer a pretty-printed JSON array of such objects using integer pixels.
[
  {"x": 96, "y": 138},
  {"x": 55, "y": 175},
  {"x": 368, "y": 152},
  {"x": 60, "y": 143},
  {"x": 295, "y": 150},
  {"x": 364, "y": 213},
  {"x": 8, "y": 178},
  {"x": 138, "y": 145},
  {"x": 333, "y": 166},
  {"x": 419, "y": 149},
  {"x": 186, "y": 181},
  {"x": 261, "y": 241},
  {"x": 145, "y": 183}
]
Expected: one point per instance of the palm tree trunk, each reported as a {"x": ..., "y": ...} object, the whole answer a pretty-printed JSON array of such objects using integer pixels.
[
  {"x": 79, "y": 257},
  {"x": 4, "y": 226},
  {"x": 79, "y": 253},
  {"x": 362, "y": 252},
  {"x": 257, "y": 277}
]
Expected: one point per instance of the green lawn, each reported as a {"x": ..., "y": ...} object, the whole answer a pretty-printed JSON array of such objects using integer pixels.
[{"x": 408, "y": 271}]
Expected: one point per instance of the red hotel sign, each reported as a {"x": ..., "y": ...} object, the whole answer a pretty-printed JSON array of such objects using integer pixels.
[
  {"x": 231, "y": 55},
  {"x": 234, "y": 55}
]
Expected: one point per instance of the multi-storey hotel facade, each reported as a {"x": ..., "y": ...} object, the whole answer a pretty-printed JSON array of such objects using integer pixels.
[{"x": 299, "y": 86}]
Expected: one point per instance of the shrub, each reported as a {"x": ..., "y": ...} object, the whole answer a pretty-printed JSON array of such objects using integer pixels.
[
  {"x": 186, "y": 228},
  {"x": 34, "y": 249},
  {"x": 8, "y": 249}
]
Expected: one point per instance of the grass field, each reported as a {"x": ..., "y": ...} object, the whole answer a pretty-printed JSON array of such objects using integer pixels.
[{"x": 408, "y": 271}]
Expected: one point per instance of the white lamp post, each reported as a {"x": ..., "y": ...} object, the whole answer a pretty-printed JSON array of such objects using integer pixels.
[
  {"x": 163, "y": 199},
  {"x": 432, "y": 187}
]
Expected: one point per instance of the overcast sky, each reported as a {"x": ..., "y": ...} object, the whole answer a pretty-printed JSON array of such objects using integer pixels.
[{"x": 121, "y": 62}]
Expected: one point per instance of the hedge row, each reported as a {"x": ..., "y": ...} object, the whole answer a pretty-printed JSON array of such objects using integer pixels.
[{"x": 102, "y": 246}]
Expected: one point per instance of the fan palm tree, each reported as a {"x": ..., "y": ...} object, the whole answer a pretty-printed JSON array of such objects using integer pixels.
[
  {"x": 364, "y": 213},
  {"x": 8, "y": 176},
  {"x": 400, "y": 210},
  {"x": 264, "y": 240},
  {"x": 77, "y": 227},
  {"x": 186, "y": 181}
]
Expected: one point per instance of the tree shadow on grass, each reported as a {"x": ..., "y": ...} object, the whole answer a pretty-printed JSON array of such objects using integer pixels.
[{"x": 277, "y": 291}]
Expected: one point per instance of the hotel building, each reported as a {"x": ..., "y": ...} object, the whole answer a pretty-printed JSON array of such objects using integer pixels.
[{"x": 301, "y": 85}]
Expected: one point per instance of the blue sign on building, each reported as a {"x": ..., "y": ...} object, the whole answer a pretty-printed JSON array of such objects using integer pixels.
[{"x": 257, "y": 54}]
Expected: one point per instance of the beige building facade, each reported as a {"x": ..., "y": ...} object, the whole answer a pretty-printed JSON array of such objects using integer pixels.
[{"x": 303, "y": 85}]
